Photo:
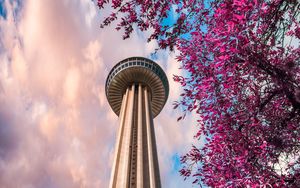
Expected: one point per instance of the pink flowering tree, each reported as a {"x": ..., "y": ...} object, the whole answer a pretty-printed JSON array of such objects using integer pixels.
[{"x": 242, "y": 58}]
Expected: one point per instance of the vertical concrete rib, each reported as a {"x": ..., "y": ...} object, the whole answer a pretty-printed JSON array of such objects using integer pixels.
[
  {"x": 128, "y": 142},
  {"x": 154, "y": 150},
  {"x": 140, "y": 174},
  {"x": 153, "y": 168},
  {"x": 123, "y": 176},
  {"x": 133, "y": 159},
  {"x": 115, "y": 167}
]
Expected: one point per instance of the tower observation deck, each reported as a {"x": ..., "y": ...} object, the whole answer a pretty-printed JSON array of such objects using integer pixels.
[{"x": 136, "y": 89}]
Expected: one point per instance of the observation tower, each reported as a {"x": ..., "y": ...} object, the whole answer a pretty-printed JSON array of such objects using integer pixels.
[{"x": 137, "y": 90}]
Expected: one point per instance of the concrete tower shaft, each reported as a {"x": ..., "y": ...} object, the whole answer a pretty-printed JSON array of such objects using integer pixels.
[{"x": 137, "y": 90}]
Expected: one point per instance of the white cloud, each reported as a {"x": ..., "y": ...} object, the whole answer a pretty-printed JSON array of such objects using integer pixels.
[{"x": 90, "y": 11}]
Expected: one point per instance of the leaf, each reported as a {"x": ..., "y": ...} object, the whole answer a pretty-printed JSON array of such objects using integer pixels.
[{"x": 178, "y": 119}]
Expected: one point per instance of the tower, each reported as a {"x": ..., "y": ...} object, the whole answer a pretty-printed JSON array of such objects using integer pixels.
[{"x": 136, "y": 89}]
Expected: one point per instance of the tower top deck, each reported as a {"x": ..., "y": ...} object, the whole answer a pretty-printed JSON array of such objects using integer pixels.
[{"x": 135, "y": 70}]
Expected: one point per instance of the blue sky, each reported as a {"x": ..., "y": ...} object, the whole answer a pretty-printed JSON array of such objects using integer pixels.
[
  {"x": 2, "y": 9},
  {"x": 57, "y": 129}
]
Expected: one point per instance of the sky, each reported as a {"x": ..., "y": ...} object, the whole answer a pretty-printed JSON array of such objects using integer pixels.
[{"x": 56, "y": 127}]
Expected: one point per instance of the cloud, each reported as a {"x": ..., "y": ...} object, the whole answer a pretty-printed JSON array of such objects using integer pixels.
[
  {"x": 71, "y": 85},
  {"x": 56, "y": 127},
  {"x": 50, "y": 133}
]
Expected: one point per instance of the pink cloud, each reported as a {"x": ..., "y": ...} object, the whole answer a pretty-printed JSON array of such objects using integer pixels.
[{"x": 56, "y": 127}]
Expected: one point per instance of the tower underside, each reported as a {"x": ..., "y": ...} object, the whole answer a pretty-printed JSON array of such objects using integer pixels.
[
  {"x": 135, "y": 161},
  {"x": 137, "y": 70}
]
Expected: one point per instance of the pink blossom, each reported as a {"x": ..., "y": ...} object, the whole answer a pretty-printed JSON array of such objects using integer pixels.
[{"x": 244, "y": 83}]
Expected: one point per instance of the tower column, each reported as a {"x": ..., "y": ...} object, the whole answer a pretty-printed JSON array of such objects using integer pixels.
[
  {"x": 127, "y": 142},
  {"x": 140, "y": 161},
  {"x": 152, "y": 153},
  {"x": 118, "y": 146},
  {"x": 121, "y": 168}
]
